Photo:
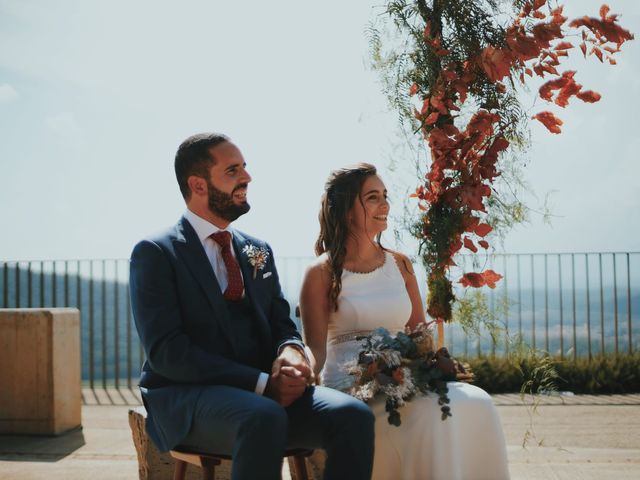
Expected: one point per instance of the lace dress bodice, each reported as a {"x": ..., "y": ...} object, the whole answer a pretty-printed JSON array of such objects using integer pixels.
[{"x": 367, "y": 301}]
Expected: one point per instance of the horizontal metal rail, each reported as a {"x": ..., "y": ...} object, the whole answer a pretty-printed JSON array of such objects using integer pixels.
[{"x": 574, "y": 305}]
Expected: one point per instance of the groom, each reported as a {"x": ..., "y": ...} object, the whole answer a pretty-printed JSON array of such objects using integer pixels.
[{"x": 226, "y": 370}]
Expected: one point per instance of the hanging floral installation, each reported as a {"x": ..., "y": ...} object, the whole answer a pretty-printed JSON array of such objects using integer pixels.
[{"x": 457, "y": 77}]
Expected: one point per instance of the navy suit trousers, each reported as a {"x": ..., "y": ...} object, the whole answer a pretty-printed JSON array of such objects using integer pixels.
[{"x": 255, "y": 430}]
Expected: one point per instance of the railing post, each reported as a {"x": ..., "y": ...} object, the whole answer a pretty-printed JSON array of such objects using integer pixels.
[
  {"x": 615, "y": 306},
  {"x": 602, "y": 347},
  {"x": 629, "y": 330},
  {"x": 561, "y": 307},
  {"x": 573, "y": 306},
  {"x": 586, "y": 264}
]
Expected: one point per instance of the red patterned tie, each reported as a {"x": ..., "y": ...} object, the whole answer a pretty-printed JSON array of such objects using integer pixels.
[{"x": 234, "y": 287}]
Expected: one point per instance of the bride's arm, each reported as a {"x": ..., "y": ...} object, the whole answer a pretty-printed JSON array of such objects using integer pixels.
[
  {"x": 314, "y": 310},
  {"x": 417, "y": 309}
]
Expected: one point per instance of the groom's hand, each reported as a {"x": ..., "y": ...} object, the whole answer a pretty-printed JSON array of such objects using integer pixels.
[
  {"x": 285, "y": 386},
  {"x": 292, "y": 357},
  {"x": 290, "y": 375}
]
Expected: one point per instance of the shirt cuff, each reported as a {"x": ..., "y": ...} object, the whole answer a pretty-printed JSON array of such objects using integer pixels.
[
  {"x": 298, "y": 345},
  {"x": 263, "y": 378}
]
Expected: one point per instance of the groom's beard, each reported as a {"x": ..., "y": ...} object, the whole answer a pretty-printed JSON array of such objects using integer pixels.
[{"x": 222, "y": 204}]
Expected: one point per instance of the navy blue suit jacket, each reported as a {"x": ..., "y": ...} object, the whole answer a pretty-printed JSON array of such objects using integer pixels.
[{"x": 185, "y": 326}]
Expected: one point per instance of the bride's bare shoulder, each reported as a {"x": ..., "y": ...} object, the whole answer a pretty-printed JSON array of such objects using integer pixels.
[
  {"x": 318, "y": 270},
  {"x": 403, "y": 262}
]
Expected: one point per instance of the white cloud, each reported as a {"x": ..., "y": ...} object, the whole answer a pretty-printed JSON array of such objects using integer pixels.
[{"x": 7, "y": 93}]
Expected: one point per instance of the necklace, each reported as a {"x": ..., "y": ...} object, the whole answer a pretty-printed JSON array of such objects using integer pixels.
[{"x": 365, "y": 271}]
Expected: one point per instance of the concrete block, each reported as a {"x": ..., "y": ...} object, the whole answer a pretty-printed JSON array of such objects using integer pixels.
[{"x": 40, "y": 392}]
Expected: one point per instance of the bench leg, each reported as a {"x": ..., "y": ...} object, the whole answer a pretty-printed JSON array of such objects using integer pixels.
[
  {"x": 180, "y": 470},
  {"x": 300, "y": 467},
  {"x": 209, "y": 468}
]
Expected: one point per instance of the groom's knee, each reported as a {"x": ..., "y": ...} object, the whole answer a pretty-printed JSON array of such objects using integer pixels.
[
  {"x": 355, "y": 414},
  {"x": 266, "y": 418}
]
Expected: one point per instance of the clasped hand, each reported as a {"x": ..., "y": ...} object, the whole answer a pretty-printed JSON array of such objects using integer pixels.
[{"x": 290, "y": 376}]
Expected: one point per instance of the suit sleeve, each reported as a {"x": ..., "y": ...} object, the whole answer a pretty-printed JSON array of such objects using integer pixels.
[
  {"x": 157, "y": 315},
  {"x": 282, "y": 327}
]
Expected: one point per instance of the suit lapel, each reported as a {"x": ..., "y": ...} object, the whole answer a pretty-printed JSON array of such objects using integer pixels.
[{"x": 188, "y": 245}]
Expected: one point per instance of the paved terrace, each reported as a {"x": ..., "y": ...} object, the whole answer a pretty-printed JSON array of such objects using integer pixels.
[{"x": 572, "y": 437}]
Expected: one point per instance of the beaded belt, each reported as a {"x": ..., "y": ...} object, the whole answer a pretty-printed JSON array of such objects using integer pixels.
[{"x": 348, "y": 337}]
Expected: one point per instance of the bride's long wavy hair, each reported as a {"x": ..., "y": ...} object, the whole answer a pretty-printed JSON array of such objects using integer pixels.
[{"x": 341, "y": 190}]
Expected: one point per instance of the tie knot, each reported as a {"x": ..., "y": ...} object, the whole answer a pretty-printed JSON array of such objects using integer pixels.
[{"x": 222, "y": 238}]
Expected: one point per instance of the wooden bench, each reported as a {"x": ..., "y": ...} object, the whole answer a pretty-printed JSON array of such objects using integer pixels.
[
  {"x": 209, "y": 461},
  {"x": 155, "y": 465}
]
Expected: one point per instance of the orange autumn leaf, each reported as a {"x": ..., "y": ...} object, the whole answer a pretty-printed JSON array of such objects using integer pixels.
[
  {"x": 583, "y": 47},
  {"x": 495, "y": 62},
  {"x": 468, "y": 243},
  {"x": 525, "y": 47},
  {"x": 549, "y": 120},
  {"x": 564, "y": 46},
  {"x": 483, "y": 229},
  {"x": 425, "y": 105},
  {"x": 612, "y": 61},
  {"x": 538, "y": 3},
  {"x": 608, "y": 28},
  {"x": 546, "y": 90},
  {"x": 490, "y": 278},
  {"x": 432, "y": 118},
  {"x": 413, "y": 90},
  {"x": 472, "y": 279},
  {"x": 484, "y": 244},
  {"x": 588, "y": 96},
  {"x": 598, "y": 53},
  {"x": 558, "y": 18},
  {"x": 477, "y": 280},
  {"x": 545, "y": 32},
  {"x": 540, "y": 15},
  {"x": 566, "y": 92},
  {"x": 470, "y": 223},
  {"x": 427, "y": 30},
  {"x": 604, "y": 10}
]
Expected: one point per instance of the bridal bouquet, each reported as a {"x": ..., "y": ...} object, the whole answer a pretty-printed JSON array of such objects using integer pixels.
[{"x": 399, "y": 366}]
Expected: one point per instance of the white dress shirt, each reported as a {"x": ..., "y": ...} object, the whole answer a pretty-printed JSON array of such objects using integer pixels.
[{"x": 204, "y": 229}]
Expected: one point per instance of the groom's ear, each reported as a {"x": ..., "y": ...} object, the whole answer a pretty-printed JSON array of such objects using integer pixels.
[{"x": 197, "y": 186}]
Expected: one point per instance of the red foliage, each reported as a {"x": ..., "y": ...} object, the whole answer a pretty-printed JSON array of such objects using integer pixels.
[
  {"x": 477, "y": 280},
  {"x": 464, "y": 160},
  {"x": 496, "y": 63},
  {"x": 549, "y": 120},
  {"x": 468, "y": 243},
  {"x": 588, "y": 96}
]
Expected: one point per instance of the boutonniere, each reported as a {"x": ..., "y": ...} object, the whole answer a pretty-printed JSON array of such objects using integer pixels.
[{"x": 257, "y": 257}]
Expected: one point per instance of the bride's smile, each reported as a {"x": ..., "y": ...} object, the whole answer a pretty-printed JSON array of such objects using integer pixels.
[{"x": 369, "y": 214}]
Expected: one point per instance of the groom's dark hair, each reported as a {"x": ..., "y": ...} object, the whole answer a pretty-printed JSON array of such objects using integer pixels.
[{"x": 194, "y": 158}]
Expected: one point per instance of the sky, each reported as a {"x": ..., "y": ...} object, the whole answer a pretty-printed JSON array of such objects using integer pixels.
[{"x": 95, "y": 97}]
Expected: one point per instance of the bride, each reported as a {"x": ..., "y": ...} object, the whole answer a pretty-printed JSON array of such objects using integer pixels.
[{"x": 356, "y": 285}]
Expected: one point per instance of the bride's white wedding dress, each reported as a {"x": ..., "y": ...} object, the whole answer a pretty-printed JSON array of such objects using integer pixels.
[{"x": 468, "y": 445}]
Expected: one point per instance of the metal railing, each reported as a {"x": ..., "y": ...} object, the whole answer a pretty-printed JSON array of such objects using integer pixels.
[{"x": 571, "y": 305}]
